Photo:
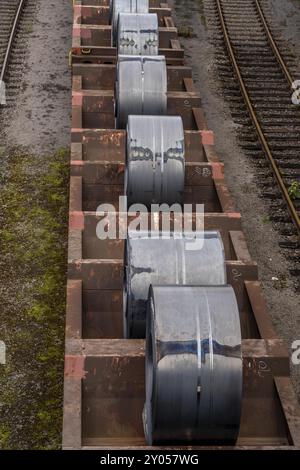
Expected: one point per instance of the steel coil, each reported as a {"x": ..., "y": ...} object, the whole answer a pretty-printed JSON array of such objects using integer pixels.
[
  {"x": 155, "y": 169},
  {"x": 137, "y": 34},
  {"x": 167, "y": 259},
  {"x": 193, "y": 365},
  {"x": 126, "y": 6},
  {"x": 141, "y": 87}
]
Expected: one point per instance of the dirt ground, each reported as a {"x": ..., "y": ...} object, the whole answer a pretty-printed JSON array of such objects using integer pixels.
[{"x": 283, "y": 302}]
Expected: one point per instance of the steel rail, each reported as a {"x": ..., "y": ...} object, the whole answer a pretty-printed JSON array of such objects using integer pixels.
[
  {"x": 265, "y": 145},
  {"x": 11, "y": 39},
  {"x": 273, "y": 45}
]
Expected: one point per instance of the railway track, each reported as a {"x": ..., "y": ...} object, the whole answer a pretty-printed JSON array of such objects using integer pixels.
[
  {"x": 258, "y": 84},
  {"x": 15, "y": 23},
  {"x": 104, "y": 387}
]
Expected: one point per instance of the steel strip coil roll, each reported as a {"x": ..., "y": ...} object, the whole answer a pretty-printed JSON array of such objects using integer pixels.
[
  {"x": 193, "y": 365},
  {"x": 141, "y": 87},
  {"x": 126, "y": 6},
  {"x": 155, "y": 169},
  {"x": 137, "y": 34},
  {"x": 167, "y": 259}
]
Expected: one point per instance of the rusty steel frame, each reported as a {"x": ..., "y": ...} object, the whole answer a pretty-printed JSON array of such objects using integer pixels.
[
  {"x": 104, "y": 374},
  {"x": 11, "y": 39}
]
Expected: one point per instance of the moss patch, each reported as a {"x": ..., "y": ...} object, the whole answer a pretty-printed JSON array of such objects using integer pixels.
[{"x": 33, "y": 265}]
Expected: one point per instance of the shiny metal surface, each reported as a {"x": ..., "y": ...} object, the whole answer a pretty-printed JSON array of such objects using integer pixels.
[
  {"x": 126, "y": 6},
  {"x": 138, "y": 34},
  {"x": 155, "y": 169},
  {"x": 164, "y": 261},
  {"x": 141, "y": 87},
  {"x": 193, "y": 365}
]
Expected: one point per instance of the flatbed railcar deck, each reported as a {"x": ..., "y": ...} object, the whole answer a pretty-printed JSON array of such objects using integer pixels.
[{"x": 104, "y": 374}]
